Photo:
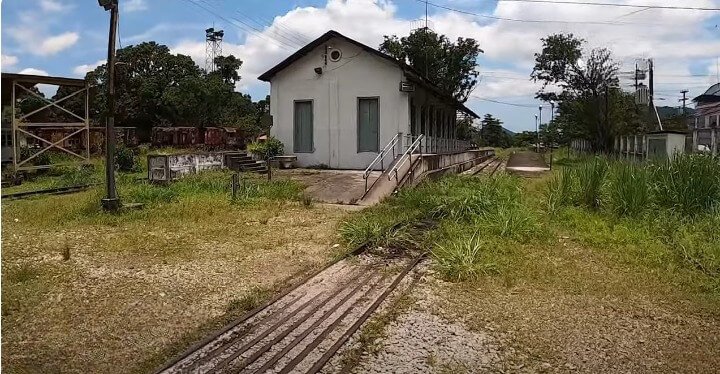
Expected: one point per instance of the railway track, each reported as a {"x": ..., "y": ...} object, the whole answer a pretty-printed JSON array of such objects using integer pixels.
[
  {"x": 304, "y": 329},
  {"x": 49, "y": 191},
  {"x": 490, "y": 167}
]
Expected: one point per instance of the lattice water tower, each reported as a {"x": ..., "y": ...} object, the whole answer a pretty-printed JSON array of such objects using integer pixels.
[{"x": 213, "y": 47}]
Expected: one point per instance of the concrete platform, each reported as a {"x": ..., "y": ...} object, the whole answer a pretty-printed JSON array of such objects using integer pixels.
[
  {"x": 329, "y": 186},
  {"x": 527, "y": 164}
]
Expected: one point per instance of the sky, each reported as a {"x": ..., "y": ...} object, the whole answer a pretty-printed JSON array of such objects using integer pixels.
[{"x": 69, "y": 38}]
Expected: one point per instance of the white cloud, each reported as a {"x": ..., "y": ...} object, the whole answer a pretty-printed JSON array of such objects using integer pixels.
[
  {"x": 133, "y": 5},
  {"x": 506, "y": 43},
  {"x": 57, "y": 43},
  {"x": 8, "y": 61},
  {"x": 48, "y": 89},
  {"x": 81, "y": 70},
  {"x": 33, "y": 71},
  {"x": 32, "y": 35},
  {"x": 53, "y": 6}
]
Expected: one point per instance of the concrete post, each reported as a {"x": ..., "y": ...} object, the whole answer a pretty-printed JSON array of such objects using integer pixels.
[{"x": 713, "y": 141}]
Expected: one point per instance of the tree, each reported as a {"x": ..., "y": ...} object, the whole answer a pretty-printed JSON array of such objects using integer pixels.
[
  {"x": 227, "y": 68},
  {"x": 154, "y": 87},
  {"x": 524, "y": 139},
  {"x": 450, "y": 66},
  {"x": 588, "y": 85},
  {"x": 466, "y": 130},
  {"x": 493, "y": 134}
]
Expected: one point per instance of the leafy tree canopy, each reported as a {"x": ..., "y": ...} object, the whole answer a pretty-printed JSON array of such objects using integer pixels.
[
  {"x": 154, "y": 87},
  {"x": 451, "y": 66},
  {"x": 585, "y": 87},
  {"x": 493, "y": 134}
]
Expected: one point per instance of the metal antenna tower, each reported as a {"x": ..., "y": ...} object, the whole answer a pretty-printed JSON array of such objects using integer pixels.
[{"x": 213, "y": 47}]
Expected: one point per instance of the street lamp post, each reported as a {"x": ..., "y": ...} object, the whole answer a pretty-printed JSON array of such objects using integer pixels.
[
  {"x": 552, "y": 142},
  {"x": 538, "y": 131},
  {"x": 111, "y": 202},
  {"x": 537, "y": 134}
]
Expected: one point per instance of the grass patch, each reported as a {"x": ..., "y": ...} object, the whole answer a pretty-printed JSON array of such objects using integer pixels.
[{"x": 462, "y": 221}]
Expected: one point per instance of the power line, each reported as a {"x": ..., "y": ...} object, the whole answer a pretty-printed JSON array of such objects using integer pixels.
[
  {"x": 256, "y": 32},
  {"x": 488, "y": 16},
  {"x": 614, "y": 5},
  {"x": 507, "y": 103}
]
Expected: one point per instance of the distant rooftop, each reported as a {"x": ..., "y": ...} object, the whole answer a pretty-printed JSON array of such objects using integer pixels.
[{"x": 711, "y": 95}]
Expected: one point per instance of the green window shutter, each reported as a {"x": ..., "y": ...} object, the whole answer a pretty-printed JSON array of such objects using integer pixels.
[
  {"x": 303, "y": 127},
  {"x": 368, "y": 125}
]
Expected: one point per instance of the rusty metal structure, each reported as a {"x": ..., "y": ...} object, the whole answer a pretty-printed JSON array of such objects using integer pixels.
[{"x": 13, "y": 85}]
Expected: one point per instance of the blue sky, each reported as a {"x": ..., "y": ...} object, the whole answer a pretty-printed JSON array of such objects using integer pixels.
[{"x": 68, "y": 37}]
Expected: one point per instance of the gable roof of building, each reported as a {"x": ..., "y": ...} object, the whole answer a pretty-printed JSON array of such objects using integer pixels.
[
  {"x": 414, "y": 74},
  {"x": 711, "y": 95}
]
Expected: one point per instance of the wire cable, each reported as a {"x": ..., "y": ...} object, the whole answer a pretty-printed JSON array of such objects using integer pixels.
[
  {"x": 488, "y": 16},
  {"x": 673, "y": 7}
]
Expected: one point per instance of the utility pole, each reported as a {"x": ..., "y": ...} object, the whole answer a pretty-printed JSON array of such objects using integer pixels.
[
  {"x": 684, "y": 100},
  {"x": 111, "y": 202},
  {"x": 651, "y": 67}
]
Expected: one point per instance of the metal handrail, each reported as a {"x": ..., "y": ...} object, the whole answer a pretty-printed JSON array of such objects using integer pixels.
[
  {"x": 401, "y": 161},
  {"x": 380, "y": 157}
]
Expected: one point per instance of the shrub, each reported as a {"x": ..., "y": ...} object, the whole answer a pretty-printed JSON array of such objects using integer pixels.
[
  {"x": 41, "y": 159},
  {"x": 628, "y": 189},
  {"x": 126, "y": 159},
  {"x": 269, "y": 148},
  {"x": 75, "y": 176}
]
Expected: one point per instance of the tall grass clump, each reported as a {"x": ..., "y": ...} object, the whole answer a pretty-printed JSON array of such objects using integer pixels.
[
  {"x": 561, "y": 189},
  {"x": 465, "y": 259},
  {"x": 628, "y": 189},
  {"x": 591, "y": 178},
  {"x": 688, "y": 183}
]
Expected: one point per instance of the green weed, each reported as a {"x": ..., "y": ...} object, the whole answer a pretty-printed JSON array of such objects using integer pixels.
[{"x": 628, "y": 189}]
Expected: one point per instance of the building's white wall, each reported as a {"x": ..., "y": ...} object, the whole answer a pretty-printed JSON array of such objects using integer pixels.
[{"x": 335, "y": 94}]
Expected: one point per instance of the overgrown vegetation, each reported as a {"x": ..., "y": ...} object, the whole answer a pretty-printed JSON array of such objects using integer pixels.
[
  {"x": 484, "y": 227},
  {"x": 688, "y": 184},
  {"x": 269, "y": 148},
  {"x": 667, "y": 208},
  {"x": 457, "y": 218}
]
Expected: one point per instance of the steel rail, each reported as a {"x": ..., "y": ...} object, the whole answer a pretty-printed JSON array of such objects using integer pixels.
[
  {"x": 212, "y": 337},
  {"x": 247, "y": 346},
  {"x": 496, "y": 167},
  {"x": 233, "y": 336},
  {"x": 318, "y": 339},
  {"x": 484, "y": 166},
  {"x": 303, "y": 334},
  {"x": 50, "y": 191},
  {"x": 344, "y": 338},
  {"x": 265, "y": 333}
]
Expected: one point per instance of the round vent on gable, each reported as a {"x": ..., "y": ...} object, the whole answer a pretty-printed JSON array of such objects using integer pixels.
[{"x": 335, "y": 55}]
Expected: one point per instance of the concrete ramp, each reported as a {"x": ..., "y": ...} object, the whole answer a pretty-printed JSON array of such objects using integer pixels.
[
  {"x": 420, "y": 167},
  {"x": 329, "y": 186}
]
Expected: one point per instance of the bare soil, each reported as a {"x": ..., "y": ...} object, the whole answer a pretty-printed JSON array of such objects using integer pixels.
[{"x": 137, "y": 292}]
